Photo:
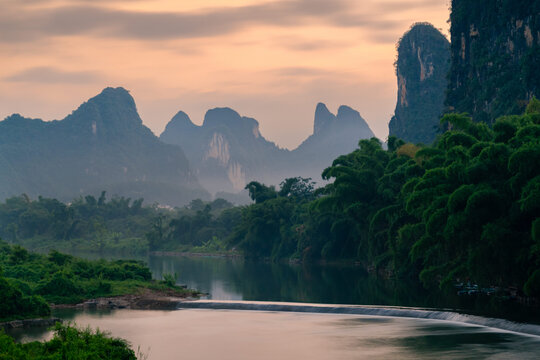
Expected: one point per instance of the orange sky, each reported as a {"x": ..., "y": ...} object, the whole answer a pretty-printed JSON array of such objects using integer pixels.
[{"x": 268, "y": 59}]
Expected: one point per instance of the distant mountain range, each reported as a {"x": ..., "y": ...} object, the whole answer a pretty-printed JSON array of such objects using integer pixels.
[
  {"x": 103, "y": 145},
  {"x": 336, "y": 134},
  {"x": 228, "y": 150}
]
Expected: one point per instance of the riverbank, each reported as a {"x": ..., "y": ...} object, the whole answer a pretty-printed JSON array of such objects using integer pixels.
[
  {"x": 145, "y": 299},
  {"x": 28, "y": 323}
]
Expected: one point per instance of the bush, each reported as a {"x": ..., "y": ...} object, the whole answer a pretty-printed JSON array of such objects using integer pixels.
[
  {"x": 170, "y": 279},
  {"x": 68, "y": 343},
  {"x": 13, "y": 304},
  {"x": 58, "y": 285}
]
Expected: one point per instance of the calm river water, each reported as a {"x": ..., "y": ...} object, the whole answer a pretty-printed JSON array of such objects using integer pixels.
[{"x": 216, "y": 331}]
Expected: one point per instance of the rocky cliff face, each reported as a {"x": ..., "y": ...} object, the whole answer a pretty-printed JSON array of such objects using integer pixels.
[
  {"x": 102, "y": 145},
  {"x": 227, "y": 150},
  {"x": 421, "y": 68},
  {"x": 495, "y": 57},
  {"x": 333, "y": 135}
]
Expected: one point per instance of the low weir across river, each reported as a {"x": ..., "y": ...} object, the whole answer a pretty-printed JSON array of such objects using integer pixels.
[{"x": 272, "y": 311}]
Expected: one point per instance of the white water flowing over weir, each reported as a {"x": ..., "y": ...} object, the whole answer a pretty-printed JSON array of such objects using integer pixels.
[{"x": 391, "y": 311}]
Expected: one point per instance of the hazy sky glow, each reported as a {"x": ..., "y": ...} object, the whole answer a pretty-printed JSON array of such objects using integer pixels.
[{"x": 268, "y": 59}]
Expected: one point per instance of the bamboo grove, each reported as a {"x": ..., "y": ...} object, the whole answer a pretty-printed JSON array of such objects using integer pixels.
[{"x": 466, "y": 208}]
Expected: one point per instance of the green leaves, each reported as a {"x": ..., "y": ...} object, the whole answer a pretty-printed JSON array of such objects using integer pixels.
[
  {"x": 68, "y": 342},
  {"x": 462, "y": 208}
]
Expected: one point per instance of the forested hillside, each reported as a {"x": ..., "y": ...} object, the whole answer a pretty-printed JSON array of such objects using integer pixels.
[{"x": 466, "y": 208}]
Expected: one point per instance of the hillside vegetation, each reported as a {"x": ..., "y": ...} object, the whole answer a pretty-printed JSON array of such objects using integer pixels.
[{"x": 466, "y": 208}]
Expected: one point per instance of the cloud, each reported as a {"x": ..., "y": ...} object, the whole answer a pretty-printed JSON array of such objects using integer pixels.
[
  {"x": 20, "y": 23},
  {"x": 17, "y": 23},
  {"x": 400, "y": 5},
  {"x": 49, "y": 75},
  {"x": 299, "y": 44},
  {"x": 299, "y": 71}
]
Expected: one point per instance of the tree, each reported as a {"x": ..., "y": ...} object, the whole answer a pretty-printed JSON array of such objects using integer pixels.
[{"x": 259, "y": 192}]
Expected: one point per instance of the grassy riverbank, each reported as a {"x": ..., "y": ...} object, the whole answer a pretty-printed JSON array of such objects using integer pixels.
[
  {"x": 30, "y": 282},
  {"x": 68, "y": 342}
]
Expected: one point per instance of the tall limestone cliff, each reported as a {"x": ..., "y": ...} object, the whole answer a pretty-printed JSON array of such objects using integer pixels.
[
  {"x": 495, "y": 57},
  {"x": 421, "y": 68},
  {"x": 333, "y": 135},
  {"x": 227, "y": 150},
  {"x": 102, "y": 145}
]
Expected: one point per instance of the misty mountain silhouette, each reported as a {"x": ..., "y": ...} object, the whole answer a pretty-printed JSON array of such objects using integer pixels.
[
  {"x": 227, "y": 150},
  {"x": 103, "y": 145}
]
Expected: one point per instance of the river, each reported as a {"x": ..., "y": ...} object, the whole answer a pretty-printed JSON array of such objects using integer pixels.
[{"x": 271, "y": 311}]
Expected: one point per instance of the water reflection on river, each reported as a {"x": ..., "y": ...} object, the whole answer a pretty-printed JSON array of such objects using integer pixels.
[
  {"x": 238, "y": 335},
  {"x": 236, "y": 279},
  {"x": 227, "y": 334}
]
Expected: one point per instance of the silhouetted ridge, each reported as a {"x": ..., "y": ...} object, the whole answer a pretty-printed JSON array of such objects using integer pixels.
[
  {"x": 103, "y": 145},
  {"x": 180, "y": 124},
  {"x": 323, "y": 118},
  {"x": 112, "y": 110},
  {"x": 347, "y": 116},
  {"x": 337, "y": 135},
  {"x": 181, "y": 120},
  {"x": 228, "y": 150},
  {"x": 230, "y": 119}
]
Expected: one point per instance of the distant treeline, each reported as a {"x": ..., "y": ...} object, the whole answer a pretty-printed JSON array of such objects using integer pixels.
[
  {"x": 464, "y": 209},
  {"x": 118, "y": 225}
]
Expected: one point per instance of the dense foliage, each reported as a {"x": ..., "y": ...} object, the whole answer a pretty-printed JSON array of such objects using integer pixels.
[
  {"x": 199, "y": 227},
  {"x": 118, "y": 225},
  {"x": 465, "y": 208},
  {"x": 267, "y": 228},
  {"x": 87, "y": 223},
  {"x": 29, "y": 279},
  {"x": 16, "y": 305},
  {"x": 68, "y": 343}
]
